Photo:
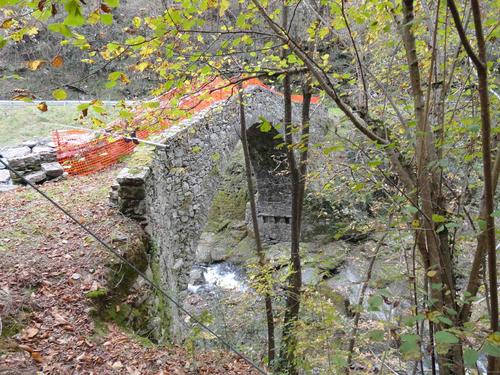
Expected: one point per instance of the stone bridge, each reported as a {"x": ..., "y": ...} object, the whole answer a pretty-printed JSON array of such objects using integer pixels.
[{"x": 174, "y": 193}]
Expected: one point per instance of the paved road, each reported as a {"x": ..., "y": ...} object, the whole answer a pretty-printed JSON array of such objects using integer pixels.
[{"x": 20, "y": 103}]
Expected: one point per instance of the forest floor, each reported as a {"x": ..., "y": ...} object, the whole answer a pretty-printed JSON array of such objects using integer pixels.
[{"x": 47, "y": 264}]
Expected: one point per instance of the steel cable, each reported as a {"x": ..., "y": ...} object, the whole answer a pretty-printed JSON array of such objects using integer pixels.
[{"x": 139, "y": 272}]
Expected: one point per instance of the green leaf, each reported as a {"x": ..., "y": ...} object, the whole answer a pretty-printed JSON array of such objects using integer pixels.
[
  {"x": 329, "y": 150},
  {"x": 491, "y": 349},
  {"x": 113, "y": 76},
  {"x": 126, "y": 114},
  {"x": 83, "y": 106},
  {"x": 206, "y": 70},
  {"x": 411, "y": 320},
  {"x": 113, "y": 3},
  {"x": 106, "y": 18},
  {"x": 438, "y": 218},
  {"x": 61, "y": 29},
  {"x": 8, "y": 2},
  {"x": 410, "y": 348},
  {"x": 444, "y": 337},
  {"x": 470, "y": 357},
  {"x": 445, "y": 320},
  {"x": 492, "y": 345},
  {"x": 223, "y": 6},
  {"x": 59, "y": 94},
  {"x": 452, "y": 225},
  {"x": 75, "y": 16},
  {"x": 265, "y": 126},
  {"x": 374, "y": 163},
  {"x": 152, "y": 104},
  {"x": 482, "y": 224},
  {"x": 375, "y": 302},
  {"x": 412, "y": 209}
]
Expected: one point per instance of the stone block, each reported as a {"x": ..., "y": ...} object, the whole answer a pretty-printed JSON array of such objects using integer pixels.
[
  {"x": 31, "y": 143},
  {"x": 132, "y": 192},
  {"x": 29, "y": 162},
  {"x": 36, "y": 177},
  {"x": 4, "y": 176},
  {"x": 52, "y": 170},
  {"x": 205, "y": 243},
  {"x": 132, "y": 176},
  {"x": 16, "y": 152},
  {"x": 196, "y": 277},
  {"x": 46, "y": 154},
  {"x": 113, "y": 198}
]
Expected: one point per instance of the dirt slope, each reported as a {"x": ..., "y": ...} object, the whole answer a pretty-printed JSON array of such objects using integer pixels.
[{"x": 46, "y": 267}]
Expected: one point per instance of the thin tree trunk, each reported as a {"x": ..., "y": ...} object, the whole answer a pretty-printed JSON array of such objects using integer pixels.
[
  {"x": 428, "y": 182},
  {"x": 475, "y": 273},
  {"x": 482, "y": 72},
  {"x": 306, "y": 109},
  {"x": 361, "y": 299},
  {"x": 480, "y": 62},
  {"x": 297, "y": 175},
  {"x": 271, "y": 349}
]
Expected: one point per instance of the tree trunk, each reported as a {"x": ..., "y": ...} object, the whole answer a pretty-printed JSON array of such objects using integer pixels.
[
  {"x": 434, "y": 247},
  {"x": 271, "y": 349},
  {"x": 482, "y": 73},
  {"x": 487, "y": 239}
]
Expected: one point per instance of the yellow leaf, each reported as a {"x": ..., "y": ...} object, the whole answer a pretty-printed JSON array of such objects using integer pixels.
[
  {"x": 35, "y": 64},
  {"x": 94, "y": 17},
  {"x": 57, "y": 61},
  {"x": 20, "y": 97},
  {"x": 7, "y": 23},
  {"x": 124, "y": 78},
  {"x": 140, "y": 67},
  {"x": 59, "y": 94},
  {"x": 42, "y": 106},
  {"x": 432, "y": 273},
  {"x": 223, "y": 6},
  {"x": 494, "y": 338}
]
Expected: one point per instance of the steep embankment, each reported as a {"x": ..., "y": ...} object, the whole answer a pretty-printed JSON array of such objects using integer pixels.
[{"x": 47, "y": 269}]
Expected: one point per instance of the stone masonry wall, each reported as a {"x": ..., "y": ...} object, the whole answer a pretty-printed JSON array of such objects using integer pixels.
[
  {"x": 184, "y": 176},
  {"x": 35, "y": 160}
]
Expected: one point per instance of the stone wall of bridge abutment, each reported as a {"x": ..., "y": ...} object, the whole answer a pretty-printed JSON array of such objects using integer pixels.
[{"x": 182, "y": 179}]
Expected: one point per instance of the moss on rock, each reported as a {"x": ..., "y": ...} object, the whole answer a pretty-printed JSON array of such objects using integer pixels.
[
  {"x": 229, "y": 203},
  {"x": 122, "y": 303}
]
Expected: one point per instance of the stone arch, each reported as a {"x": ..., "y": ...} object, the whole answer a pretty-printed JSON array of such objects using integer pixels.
[
  {"x": 270, "y": 168},
  {"x": 179, "y": 185}
]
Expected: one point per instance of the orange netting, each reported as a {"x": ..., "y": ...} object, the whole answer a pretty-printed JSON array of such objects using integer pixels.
[{"x": 83, "y": 152}]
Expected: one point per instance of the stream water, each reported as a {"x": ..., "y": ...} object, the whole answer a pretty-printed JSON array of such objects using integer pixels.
[{"x": 225, "y": 276}]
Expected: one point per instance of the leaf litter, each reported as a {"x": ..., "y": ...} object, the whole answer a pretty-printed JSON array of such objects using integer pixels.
[{"x": 47, "y": 265}]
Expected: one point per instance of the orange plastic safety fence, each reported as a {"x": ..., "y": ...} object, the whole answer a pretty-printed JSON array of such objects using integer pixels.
[{"x": 83, "y": 152}]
